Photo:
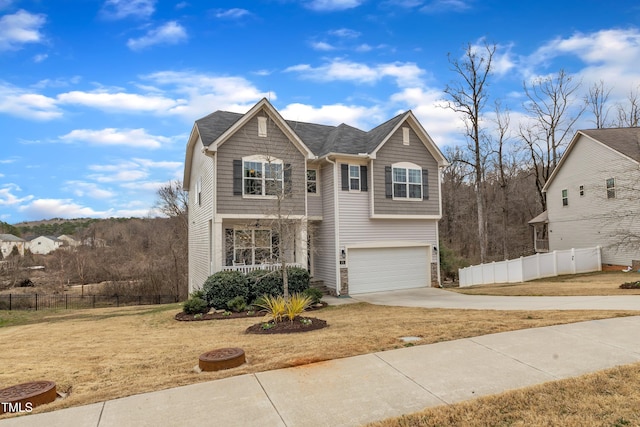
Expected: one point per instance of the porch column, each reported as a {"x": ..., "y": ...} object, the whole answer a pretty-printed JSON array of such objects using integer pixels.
[
  {"x": 301, "y": 243},
  {"x": 217, "y": 238}
]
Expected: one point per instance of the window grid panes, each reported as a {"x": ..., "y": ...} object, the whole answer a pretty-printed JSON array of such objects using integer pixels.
[
  {"x": 354, "y": 177},
  {"x": 565, "y": 198},
  {"x": 262, "y": 178},
  {"x": 252, "y": 246},
  {"x": 407, "y": 183},
  {"x": 312, "y": 183},
  {"x": 611, "y": 188}
]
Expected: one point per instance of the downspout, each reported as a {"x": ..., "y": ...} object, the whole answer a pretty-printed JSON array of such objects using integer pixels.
[{"x": 336, "y": 231}]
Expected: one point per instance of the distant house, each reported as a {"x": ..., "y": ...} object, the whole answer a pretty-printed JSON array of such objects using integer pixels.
[
  {"x": 364, "y": 205},
  {"x": 593, "y": 197},
  {"x": 43, "y": 245},
  {"x": 68, "y": 241},
  {"x": 7, "y": 243}
]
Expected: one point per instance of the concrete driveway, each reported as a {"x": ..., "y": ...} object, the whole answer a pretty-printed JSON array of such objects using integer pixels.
[{"x": 440, "y": 298}]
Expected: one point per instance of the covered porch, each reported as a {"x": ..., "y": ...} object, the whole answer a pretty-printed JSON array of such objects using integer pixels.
[{"x": 540, "y": 226}]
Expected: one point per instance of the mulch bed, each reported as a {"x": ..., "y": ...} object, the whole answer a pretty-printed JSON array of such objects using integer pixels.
[
  {"x": 287, "y": 327},
  {"x": 184, "y": 317},
  {"x": 630, "y": 285}
]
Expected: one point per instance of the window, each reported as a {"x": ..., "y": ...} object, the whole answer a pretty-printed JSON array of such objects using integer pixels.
[
  {"x": 354, "y": 177},
  {"x": 251, "y": 246},
  {"x": 407, "y": 181},
  {"x": 262, "y": 178},
  {"x": 581, "y": 190},
  {"x": 565, "y": 198},
  {"x": 611, "y": 188},
  {"x": 405, "y": 136},
  {"x": 262, "y": 127},
  {"x": 312, "y": 181},
  {"x": 199, "y": 191}
]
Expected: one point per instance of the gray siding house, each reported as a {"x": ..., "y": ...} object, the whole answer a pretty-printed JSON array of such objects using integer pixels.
[
  {"x": 593, "y": 196},
  {"x": 363, "y": 207}
]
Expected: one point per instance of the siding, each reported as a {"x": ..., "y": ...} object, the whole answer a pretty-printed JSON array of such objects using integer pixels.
[
  {"x": 245, "y": 142},
  {"x": 394, "y": 151},
  {"x": 199, "y": 216},
  {"x": 355, "y": 226},
  {"x": 593, "y": 219},
  {"x": 314, "y": 201},
  {"x": 324, "y": 246}
]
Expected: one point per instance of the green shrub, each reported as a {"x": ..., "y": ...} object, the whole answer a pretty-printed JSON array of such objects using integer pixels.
[
  {"x": 223, "y": 286},
  {"x": 263, "y": 282},
  {"x": 195, "y": 305},
  {"x": 298, "y": 280},
  {"x": 237, "y": 304},
  {"x": 314, "y": 293}
]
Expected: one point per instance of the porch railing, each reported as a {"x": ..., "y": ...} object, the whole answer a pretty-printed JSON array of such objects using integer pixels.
[
  {"x": 542, "y": 245},
  {"x": 247, "y": 268}
]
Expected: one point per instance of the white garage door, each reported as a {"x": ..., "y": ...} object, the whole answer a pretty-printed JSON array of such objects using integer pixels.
[{"x": 386, "y": 269}]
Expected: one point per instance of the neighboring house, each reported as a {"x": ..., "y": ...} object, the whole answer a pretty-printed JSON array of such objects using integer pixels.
[
  {"x": 68, "y": 241},
  {"x": 364, "y": 205},
  {"x": 43, "y": 245},
  {"x": 8, "y": 241},
  {"x": 593, "y": 196}
]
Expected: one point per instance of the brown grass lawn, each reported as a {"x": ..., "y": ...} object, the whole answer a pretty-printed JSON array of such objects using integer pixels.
[
  {"x": 101, "y": 354},
  {"x": 599, "y": 283}
]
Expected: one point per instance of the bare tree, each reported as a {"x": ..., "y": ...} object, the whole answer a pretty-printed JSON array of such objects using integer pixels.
[
  {"x": 551, "y": 102},
  {"x": 173, "y": 201},
  {"x": 597, "y": 99},
  {"x": 629, "y": 115},
  {"x": 468, "y": 96},
  {"x": 502, "y": 121}
]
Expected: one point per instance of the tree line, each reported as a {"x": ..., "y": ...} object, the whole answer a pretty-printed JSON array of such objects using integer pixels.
[{"x": 493, "y": 186}]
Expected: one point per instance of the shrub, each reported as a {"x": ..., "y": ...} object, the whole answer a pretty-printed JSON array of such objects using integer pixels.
[
  {"x": 237, "y": 304},
  {"x": 263, "y": 282},
  {"x": 195, "y": 305},
  {"x": 296, "y": 305},
  {"x": 298, "y": 280},
  {"x": 314, "y": 294},
  {"x": 223, "y": 286}
]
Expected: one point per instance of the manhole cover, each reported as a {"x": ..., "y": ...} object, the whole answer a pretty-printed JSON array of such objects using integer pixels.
[
  {"x": 24, "y": 397},
  {"x": 222, "y": 358}
]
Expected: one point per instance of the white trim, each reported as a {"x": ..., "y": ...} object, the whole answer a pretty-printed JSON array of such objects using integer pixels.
[
  {"x": 262, "y": 126},
  {"x": 400, "y": 216},
  {"x": 388, "y": 244},
  {"x": 256, "y": 216},
  {"x": 317, "y": 180},
  {"x": 314, "y": 218}
]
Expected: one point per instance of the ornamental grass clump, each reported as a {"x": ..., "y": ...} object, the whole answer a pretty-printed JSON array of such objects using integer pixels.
[
  {"x": 274, "y": 306},
  {"x": 296, "y": 305}
]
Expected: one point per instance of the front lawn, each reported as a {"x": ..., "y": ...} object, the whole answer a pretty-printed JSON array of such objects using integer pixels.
[{"x": 102, "y": 354}]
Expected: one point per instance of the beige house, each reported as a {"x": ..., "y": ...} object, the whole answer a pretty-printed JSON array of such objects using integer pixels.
[
  {"x": 43, "y": 245},
  {"x": 364, "y": 206},
  {"x": 593, "y": 196},
  {"x": 8, "y": 241}
]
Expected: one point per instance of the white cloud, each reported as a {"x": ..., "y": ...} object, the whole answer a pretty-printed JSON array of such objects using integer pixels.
[
  {"x": 440, "y": 6},
  {"x": 119, "y": 9},
  {"x": 353, "y": 115},
  {"x": 21, "y": 103},
  {"x": 8, "y": 198},
  {"x": 120, "y": 101},
  {"x": 112, "y": 137},
  {"x": 170, "y": 33},
  {"x": 147, "y": 163},
  {"x": 59, "y": 208},
  {"x": 20, "y": 28},
  {"x": 40, "y": 57},
  {"x": 405, "y": 74},
  {"x": 89, "y": 189},
  {"x": 332, "y": 5},
  {"x": 323, "y": 46},
  {"x": 234, "y": 13},
  {"x": 132, "y": 172},
  {"x": 345, "y": 33}
]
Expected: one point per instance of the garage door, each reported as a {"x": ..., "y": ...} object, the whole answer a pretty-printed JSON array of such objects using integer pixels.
[{"x": 386, "y": 269}]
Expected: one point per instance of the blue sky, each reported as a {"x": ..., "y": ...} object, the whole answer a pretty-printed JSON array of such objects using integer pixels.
[{"x": 97, "y": 97}]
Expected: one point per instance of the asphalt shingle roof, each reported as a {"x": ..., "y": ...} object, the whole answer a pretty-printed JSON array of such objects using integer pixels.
[
  {"x": 623, "y": 140},
  {"x": 10, "y": 238},
  {"x": 320, "y": 139}
]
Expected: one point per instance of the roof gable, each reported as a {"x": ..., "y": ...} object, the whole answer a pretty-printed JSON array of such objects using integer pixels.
[{"x": 624, "y": 141}]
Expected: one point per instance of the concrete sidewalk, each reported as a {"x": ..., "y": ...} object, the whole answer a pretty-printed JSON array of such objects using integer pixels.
[{"x": 361, "y": 389}]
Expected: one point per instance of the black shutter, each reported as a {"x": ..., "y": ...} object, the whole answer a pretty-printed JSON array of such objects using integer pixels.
[
  {"x": 388, "y": 182},
  {"x": 345, "y": 177},
  {"x": 425, "y": 184},
  {"x": 287, "y": 178},
  {"x": 237, "y": 177},
  {"x": 363, "y": 179}
]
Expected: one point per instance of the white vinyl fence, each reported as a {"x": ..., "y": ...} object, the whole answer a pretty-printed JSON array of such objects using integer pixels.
[{"x": 570, "y": 261}]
